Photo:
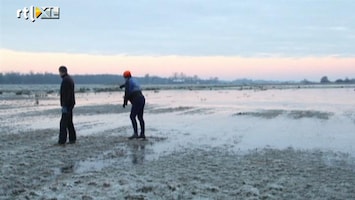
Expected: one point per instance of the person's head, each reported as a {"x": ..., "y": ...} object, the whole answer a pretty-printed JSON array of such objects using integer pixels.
[
  {"x": 127, "y": 74},
  {"x": 63, "y": 70}
]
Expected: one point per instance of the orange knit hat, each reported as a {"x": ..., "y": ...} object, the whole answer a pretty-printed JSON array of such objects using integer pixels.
[{"x": 127, "y": 74}]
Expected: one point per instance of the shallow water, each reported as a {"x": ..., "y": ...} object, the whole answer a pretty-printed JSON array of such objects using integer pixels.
[
  {"x": 235, "y": 119},
  {"x": 202, "y": 144}
]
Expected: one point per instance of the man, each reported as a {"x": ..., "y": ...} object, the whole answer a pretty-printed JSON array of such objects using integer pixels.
[
  {"x": 133, "y": 93},
  {"x": 67, "y": 101}
]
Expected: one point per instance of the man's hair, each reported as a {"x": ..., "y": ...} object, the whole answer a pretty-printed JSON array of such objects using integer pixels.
[{"x": 63, "y": 69}]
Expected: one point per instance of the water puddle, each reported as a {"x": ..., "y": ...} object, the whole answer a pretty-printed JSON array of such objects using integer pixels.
[{"x": 128, "y": 154}]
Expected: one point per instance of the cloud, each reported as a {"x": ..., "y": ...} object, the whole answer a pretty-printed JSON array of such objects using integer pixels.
[{"x": 187, "y": 27}]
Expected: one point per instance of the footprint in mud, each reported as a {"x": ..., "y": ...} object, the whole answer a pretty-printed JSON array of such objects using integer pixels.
[{"x": 67, "y": 169}]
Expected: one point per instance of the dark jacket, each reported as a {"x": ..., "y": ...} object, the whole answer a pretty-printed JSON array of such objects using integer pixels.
[
  {"x": 67, "y": 96},
  {"x": 132, "y": 90}
]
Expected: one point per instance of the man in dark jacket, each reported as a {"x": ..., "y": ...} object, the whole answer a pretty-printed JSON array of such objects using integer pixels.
[
  {"x": 67, "y": 101},
  {"x": 133, "y": 93}
]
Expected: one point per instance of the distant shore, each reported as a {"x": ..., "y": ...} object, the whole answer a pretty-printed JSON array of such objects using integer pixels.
[{"x": 43, "y": 89}]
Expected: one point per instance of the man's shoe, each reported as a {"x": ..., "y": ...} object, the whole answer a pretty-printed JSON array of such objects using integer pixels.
[
  {"x": 60, "y": 144},
  {"x": 134, "y": 136},
  {"x": 71, "y": 142},
  {"x": 142, "y": 137}
]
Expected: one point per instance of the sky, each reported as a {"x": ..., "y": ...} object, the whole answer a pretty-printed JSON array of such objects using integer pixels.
[{"x": 228, "y": 39}]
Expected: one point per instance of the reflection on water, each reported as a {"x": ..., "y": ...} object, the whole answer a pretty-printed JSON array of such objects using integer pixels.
[
  {"x": 92, "y": 165},
  {"x": 137, "y": 151},
  {"x": 134, "y": 154}
]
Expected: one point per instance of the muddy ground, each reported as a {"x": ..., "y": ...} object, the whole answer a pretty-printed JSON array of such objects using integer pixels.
[{"x": 109, "y": 166}]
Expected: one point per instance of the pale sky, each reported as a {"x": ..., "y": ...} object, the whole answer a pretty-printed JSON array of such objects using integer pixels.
[{"x": 228, "y": 39}]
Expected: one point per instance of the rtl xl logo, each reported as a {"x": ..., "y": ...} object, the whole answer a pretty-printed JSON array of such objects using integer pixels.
[{"x": 33, "y": 13}]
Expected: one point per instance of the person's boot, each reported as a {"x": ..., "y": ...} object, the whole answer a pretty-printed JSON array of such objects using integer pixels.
[
  {"x": 135, "y": 135},
  {"x": 142, "y": 136}
]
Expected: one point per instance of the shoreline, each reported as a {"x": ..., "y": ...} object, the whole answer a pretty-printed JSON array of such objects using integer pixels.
[{"x": 42, "y": 90}]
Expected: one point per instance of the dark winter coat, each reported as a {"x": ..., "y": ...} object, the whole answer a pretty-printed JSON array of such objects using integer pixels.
[{"x": 67, "y": 96}]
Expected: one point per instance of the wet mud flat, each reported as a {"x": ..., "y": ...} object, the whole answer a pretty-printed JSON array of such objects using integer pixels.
[
  {"x": 227, "y": 144},
  {"x": 108, "y": 166}
]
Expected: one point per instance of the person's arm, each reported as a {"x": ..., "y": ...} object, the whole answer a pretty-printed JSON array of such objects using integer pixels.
[
  {"x": 64, "y": 95},
  {"x": 126, "y": 93}
]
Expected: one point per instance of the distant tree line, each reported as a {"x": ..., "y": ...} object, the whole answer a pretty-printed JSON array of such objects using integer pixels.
[
  {"x": 48, "y": 78},
  {"x": 325, "y": 80},
  {"x": 176, "y": 78}
]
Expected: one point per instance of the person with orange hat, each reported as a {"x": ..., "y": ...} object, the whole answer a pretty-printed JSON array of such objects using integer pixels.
[{"x": 133, "y": 94}]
